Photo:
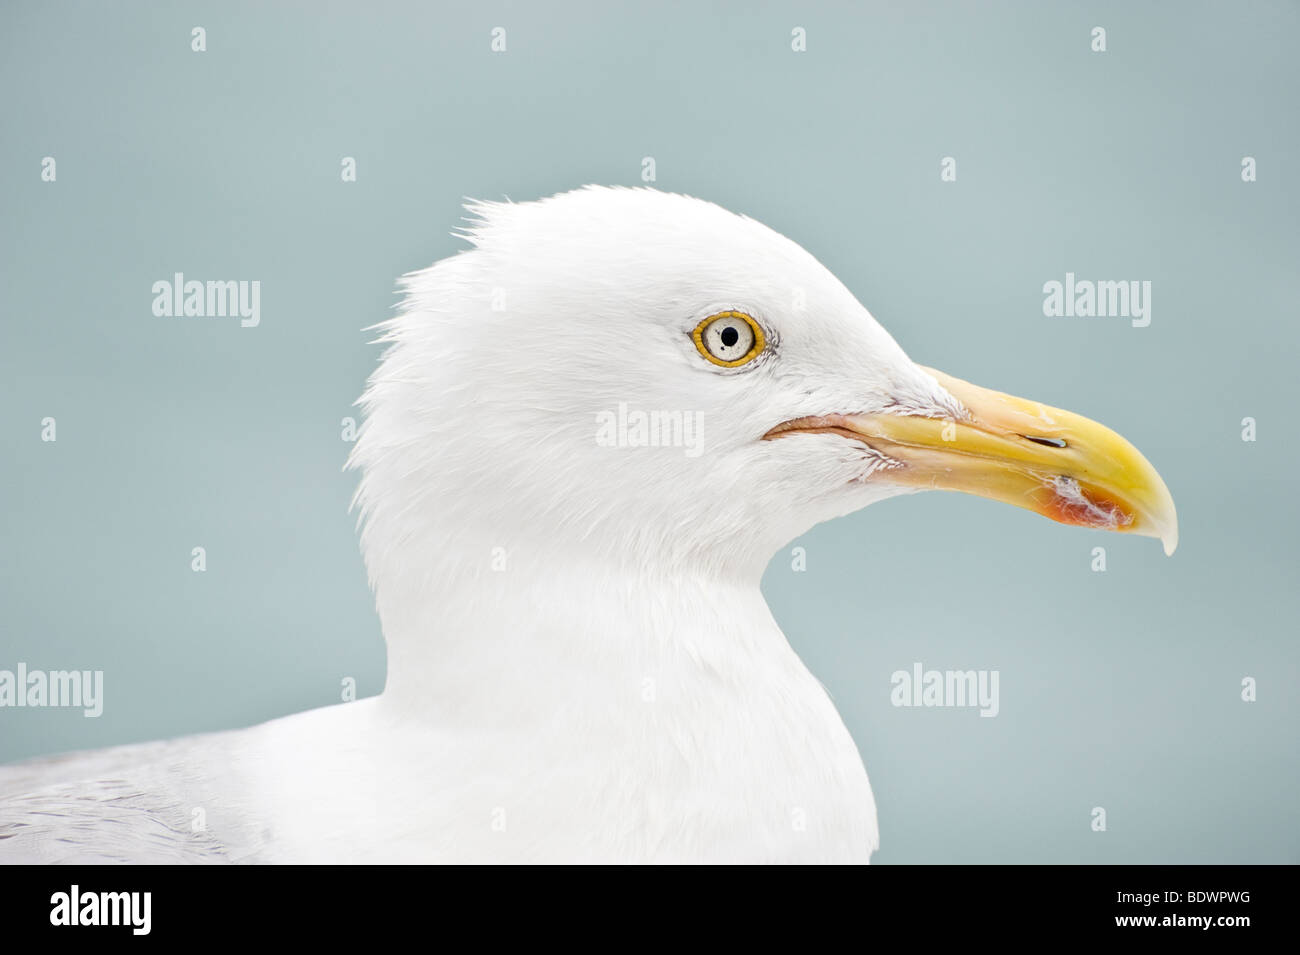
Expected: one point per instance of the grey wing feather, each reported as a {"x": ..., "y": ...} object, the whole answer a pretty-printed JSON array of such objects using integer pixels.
[{"x": 115, "y": 806}]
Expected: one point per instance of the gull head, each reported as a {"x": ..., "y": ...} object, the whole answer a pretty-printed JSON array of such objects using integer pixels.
[{"x": 636, "y": 377}]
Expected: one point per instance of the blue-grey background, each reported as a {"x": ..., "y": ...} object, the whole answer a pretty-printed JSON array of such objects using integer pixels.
[{"x": 1118, "y": 689}]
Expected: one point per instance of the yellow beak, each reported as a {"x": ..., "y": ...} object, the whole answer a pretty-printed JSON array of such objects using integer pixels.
[{"x": 1057, "y": 463}]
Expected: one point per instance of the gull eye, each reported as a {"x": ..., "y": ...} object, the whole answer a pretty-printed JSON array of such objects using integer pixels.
[{"x": 729, "y": 339}]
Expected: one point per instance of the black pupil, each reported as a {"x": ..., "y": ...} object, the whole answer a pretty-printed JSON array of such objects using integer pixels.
[{"x": 730, "y": 336}]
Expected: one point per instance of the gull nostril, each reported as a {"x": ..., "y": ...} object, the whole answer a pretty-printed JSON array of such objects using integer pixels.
[{"x": 1049, "y": 442}]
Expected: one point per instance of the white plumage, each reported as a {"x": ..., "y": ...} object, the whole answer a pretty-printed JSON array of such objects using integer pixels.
[{"x": 581, "y": 665}]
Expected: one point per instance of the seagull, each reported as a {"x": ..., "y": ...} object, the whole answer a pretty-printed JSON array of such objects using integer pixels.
[{"x": 587, "y": 436}]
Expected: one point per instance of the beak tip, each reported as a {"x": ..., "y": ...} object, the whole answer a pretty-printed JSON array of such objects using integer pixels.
[
  {"x": 1169, "y": 521},
  {"x": 1167, "y": 532}
]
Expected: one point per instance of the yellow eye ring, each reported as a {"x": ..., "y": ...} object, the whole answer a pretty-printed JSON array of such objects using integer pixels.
[{"x": 729, "y": 339}]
